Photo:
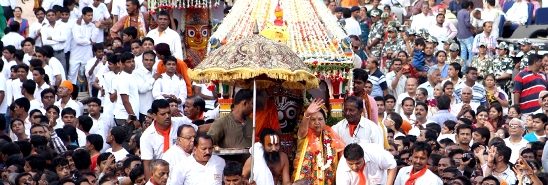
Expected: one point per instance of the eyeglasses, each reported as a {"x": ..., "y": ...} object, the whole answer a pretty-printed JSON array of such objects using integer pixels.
[
  {"x": 190, "y": 138},
  {"x": 515, "y": 126}
]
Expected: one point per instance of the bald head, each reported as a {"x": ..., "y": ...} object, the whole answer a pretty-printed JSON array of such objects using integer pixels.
[
  {"x": 466, "y": 94},
  {"x": 411, "y": 85}
]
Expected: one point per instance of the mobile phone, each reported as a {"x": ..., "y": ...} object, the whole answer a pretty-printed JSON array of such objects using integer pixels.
[{"x": 467, "y": 156}]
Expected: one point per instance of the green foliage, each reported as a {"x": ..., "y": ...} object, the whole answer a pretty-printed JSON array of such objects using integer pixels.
[{"x": 333, "y": 120}]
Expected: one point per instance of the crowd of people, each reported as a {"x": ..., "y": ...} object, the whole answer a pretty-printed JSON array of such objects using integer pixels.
[{"x": 430, "y": 103}]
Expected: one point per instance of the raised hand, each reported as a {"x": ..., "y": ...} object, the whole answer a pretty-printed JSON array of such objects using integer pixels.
[{"x": 315, "y": 106}]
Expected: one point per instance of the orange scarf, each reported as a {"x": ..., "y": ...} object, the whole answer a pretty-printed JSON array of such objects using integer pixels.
[
  {"x": 414, "y": 176},
  {"x": 164, "y": 133},
  {"x": 367, "y": 109},
  {"x": 361, "y": 176}
]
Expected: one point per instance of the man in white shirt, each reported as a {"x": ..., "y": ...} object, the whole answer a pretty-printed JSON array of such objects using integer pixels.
[
  {"x": 372, "y": 166},
  {"x": 162, "y": 135},
  {"x": 164, "y": 34},
  {"x": 40, "y": 62},
  {"x": 442, "y": 31},
  {"x": 56, "y": 66},
  {"x": 82, "y": 44},
  {"x": 13, "y": 38},
  {"x": 362, "y": 129},
  {"x": 352, "y": 26},
  {"x": 3, "y": 94},
  {"x": 171, "y": 85},
  {"x": 517, "y": 15},
  {"x": 93, "y": 66},
  {"x": 395, "y": 78},
  {"x": 418, "y": 172},
  {"x": 159, "y": 169},
  {"x": 434, "y": 77},
  {"x": 146, "y": 78},
  {"x": 137, "y": 50},
  {"x": 115, "y": 138},
  {"x": 28, "y": 46},
  {"x": 202, "y": 168},
  {"x": 48, "y": 4},
  {"x": 34, "y": 28},
  {"x": 424, "y": 19},
  {"x": 183, "y": 149},
  {"x": 68, "y": 116},
  {"x": 101, "y": 122},
  {"x": 75, "y": 13},
  {"x": 127, "y": 92},
  {"x": 54, "y": 35},
  {"x": 105, "y": 82},
  {"x": 28, "y": 88},
  {"x": 22, "y": 73},
  {"x": 8, "y": 55},
  {"x": 101, "y": 17},
  {"x": 515, "y": 141},
  {"x": 65, "y": 101},
  {"x": 68, "y": 24}
]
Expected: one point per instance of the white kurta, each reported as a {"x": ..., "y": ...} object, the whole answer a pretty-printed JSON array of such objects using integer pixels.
[
  {"x": 174, "y": 155},
  {"x": 377, "y": 161},
  {"x": 194, "y": 173},
  {"x": 366, "y": 131}
]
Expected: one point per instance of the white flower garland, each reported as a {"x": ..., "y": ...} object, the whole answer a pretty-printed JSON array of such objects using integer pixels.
[{"x": 319, "y": 158}]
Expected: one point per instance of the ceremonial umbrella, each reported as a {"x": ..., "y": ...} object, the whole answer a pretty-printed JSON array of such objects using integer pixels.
[{"x": 255, "y": 61}]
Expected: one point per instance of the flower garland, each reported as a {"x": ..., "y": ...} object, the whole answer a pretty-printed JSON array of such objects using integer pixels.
[{"x": 319, "y": 159}]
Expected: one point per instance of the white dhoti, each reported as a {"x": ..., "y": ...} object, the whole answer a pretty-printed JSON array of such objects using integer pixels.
[{"x": 261, "y": 172}]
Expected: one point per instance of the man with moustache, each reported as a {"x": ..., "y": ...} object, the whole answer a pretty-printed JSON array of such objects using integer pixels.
[
  {"x": 202, "y": 168},
  {"x": 369, "y": 105},
  {"x": 270, "y": 157},
  {"x": 418, "y": 172}
]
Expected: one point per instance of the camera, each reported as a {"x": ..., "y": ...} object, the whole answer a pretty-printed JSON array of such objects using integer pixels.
[{"x": 467, "y": 156}]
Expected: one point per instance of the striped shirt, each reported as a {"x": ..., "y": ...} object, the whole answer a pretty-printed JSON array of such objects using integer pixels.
[
  {"x": 478, "y": 93},
  {"x": 491, "y": 41},
  {"x": 379, "y": 83},
  {"x": 529, "y": 85}
]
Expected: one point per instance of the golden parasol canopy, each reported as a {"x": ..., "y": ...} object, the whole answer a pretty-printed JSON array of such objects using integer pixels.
[{"x": 259, "y": 58}]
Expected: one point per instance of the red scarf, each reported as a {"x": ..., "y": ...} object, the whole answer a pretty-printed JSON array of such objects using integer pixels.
[
  {"x": 361, "y": 176},
  {"x": 414, "y": 176},
  {"x": 164, "y": 133}
]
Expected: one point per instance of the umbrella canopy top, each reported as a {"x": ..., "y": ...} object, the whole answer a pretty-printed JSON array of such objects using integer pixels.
[{"x": 256, "y": 57}]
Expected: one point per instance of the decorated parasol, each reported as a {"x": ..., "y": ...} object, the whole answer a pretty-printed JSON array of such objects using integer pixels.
[{"x": 257, "y": 61}]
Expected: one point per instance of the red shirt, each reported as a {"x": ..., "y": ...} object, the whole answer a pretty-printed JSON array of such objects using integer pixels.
[{"x": 94, "y": 162}]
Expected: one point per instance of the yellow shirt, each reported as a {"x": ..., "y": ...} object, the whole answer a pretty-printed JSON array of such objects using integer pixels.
[{"x": 349, "y": 3}]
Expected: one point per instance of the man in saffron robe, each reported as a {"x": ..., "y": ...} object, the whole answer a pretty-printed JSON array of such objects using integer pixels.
[
  {"x": 267, "y": 114},
  {"x": 135, "y": 18}
]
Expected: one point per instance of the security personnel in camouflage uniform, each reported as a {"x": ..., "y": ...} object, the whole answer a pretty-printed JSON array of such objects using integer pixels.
[
  {"x": 453, "y": 55},
  {"x": 402, "y": 29},
  {"x": 502, "y": 67},
  {"x": 392, "y": 46},
  {"x": 375, "y": 35},
  {"x": 433, "y": 40},
  {"x": 526, "y": 48},
  {"x": 482, "y": 61},
  {"x": 446, "y": 44}
]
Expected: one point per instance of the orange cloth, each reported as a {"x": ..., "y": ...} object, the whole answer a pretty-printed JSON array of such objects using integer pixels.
[
  {"x": 415, "y": 175},
  {"x": 119, "y": 26},
  {"x": 267, "y": 118},
  {"x": 164, "y": 133},
  {"x": 67, "y": 84},
  {"x": 406, "y": 127},
  {"x": 352, "y": 128},
  {"x": 361, "y": 176},
  {"x": 349, "y": 3},
  {"x": 182, "y": 68}
]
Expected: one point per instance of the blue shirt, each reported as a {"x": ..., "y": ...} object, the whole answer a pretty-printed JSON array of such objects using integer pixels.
[
  {"x": 530, "y": 137},
  {"x": 443, "y": 71},
  {"x": 454, "y": 7},
  {"x": 464, "y": 24},
  {"x": 379, "y": 83},
  {"x": 443, "y": 115}
]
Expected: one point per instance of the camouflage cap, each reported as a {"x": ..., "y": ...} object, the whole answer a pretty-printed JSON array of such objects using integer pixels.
[
  {"x": 391, "y": 29},
  {"x": 403, "y": 28},
  {"x": 432, "y": 39},
  {"x": 482, "y": 44},
  {"x": 502, "y": 45},
  {"x": 394, "y": 23},
  {"x": 410, "y": 32},
  {"x": 449, "y": 41},
  {"x": 525, "y": 41},
  {"x": 454, "y": 47},
  {"x": 375, "y": 13},
  {"x": 385, "y": 15}
]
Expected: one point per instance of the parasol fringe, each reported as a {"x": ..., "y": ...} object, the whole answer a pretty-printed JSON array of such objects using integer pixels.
[{"x": 292, "y": 79}]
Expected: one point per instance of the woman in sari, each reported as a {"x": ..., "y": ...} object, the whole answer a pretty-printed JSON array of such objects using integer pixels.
[{"x": 317, "y": 148}]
